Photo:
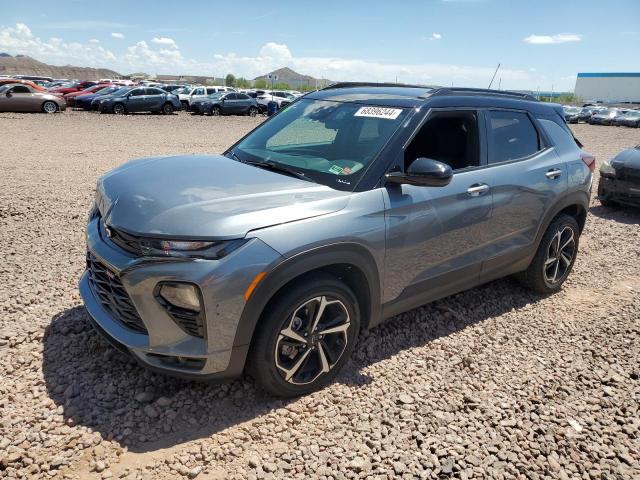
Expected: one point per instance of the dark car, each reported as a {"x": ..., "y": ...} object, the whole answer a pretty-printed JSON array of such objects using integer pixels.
[
  {"x": 140, "y": 99},
  {"x": 226, "y": 104},
  {"x": 629, "y": 119},
  {"x": 605, "y": 117},
  {"x": 620, "y": 179},
  {"x": 571, "y": 114},
  {"x": 85, "y": 101}
]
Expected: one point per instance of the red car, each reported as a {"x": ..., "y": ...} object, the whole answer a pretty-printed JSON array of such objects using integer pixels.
[
  {"x": 74, "y": 87},
  {"x": 69, "y": 97}
]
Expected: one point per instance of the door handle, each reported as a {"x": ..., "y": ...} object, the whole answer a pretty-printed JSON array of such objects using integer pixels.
[
  {"x": 553, "y": 174},
  {"x": 477, "y": 189}
]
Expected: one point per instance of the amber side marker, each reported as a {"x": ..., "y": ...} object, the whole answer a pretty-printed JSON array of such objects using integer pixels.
[{"x": 252, "y": 286}]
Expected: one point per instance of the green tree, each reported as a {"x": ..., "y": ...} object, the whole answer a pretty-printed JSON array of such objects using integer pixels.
[
  {"x": 230, "y": 80},
  {"x": 260, "y": 83},
  {"x": 242, "y": 83}
]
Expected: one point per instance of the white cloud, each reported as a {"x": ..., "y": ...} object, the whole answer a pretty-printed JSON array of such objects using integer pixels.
[
  {"x": 94, "y": 40},
  {"x": 165, "y": 57},
  {"x": 552, "y": 39},
  {"x": 86, "y": 25},
  {"x": 436, "y": 36},
  {"x": 170, "y": 42},
  {"x": 117, "y": 35},
  {"x": 20, "y": 40}
]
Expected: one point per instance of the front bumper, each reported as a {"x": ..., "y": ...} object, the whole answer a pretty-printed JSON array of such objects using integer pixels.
[
  {"x": 619, "y": 190},
  {"x": 165, "y": 346}
]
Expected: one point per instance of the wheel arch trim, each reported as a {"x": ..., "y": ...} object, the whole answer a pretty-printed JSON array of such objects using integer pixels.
[{"x": 303, "y": 263}]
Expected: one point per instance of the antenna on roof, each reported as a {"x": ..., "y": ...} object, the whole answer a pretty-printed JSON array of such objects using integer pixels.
[{"x": 494, "y": 76}]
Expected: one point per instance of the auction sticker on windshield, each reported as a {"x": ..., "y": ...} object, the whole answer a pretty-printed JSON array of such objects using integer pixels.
[{"x": 378, "y": 112}]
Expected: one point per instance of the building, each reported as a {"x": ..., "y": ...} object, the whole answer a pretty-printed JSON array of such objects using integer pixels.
[{"x": 608, "y": 87}]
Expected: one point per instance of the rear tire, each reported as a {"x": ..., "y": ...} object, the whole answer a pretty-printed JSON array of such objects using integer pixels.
[
  {"x": 167, "y": 109},
  {"x": 555, "y": 257},
  {"x": 294, "y": 350},
  {"x": 253, "y": 111},
  {"x": 185, "y": 104},
  {"x": 49, "y": 107}
]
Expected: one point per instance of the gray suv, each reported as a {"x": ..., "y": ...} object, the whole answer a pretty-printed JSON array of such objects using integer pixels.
[{"x": 354, "y": 204}]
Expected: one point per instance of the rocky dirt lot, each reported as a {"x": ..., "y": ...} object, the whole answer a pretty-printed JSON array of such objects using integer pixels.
[{"x": 494, "y": 382}]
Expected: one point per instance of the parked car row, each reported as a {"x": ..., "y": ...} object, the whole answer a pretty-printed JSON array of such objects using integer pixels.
[{"x": 602, "y": 115}]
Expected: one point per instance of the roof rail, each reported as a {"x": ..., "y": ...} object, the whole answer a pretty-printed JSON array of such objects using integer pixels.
[
  {"x": 374, "y": 84},
  {"x": 481, "y": 91}
]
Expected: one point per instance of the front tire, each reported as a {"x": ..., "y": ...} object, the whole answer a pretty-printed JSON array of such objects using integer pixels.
[
  {"x": 118, "y": 109},
  {"x": 253, "y": 111},
  {"x": 49, "y": 107},
  {"x": 167, "y": 109},
  {"x": 555, "y": 256},
  {"x": 305, "y": 337},
  {"x": 215, "y": 111}
]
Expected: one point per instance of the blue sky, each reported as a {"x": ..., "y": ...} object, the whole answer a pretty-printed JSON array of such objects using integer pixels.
[{"x": 539, "y": 43}]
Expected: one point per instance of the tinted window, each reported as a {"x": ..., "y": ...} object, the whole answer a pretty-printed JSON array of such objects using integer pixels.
[
  {"x": 20, "y": 89},
  {"x": 137, "y": 92},
  {"x": 230, "y": 96},
  {"x": 562, "y": 139},
  {"x": 281, "y": 95},
  {"x": 242, "y": 96},
  {"x": 199, "y": 91},
  {"x": 449, "y": 137},
  {"x": 211, "y": 90},
  {"x": 154, "y": 91},
  {"x": 511, "y": 135}
]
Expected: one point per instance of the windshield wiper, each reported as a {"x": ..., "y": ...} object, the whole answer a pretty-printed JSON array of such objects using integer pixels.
[{"x": 277, "y": 167}]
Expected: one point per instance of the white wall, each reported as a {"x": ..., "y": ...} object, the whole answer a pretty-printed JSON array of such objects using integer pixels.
[{"x": 609, "y": 89}]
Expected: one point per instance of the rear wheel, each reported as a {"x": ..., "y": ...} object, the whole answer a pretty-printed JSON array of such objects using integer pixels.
[
  {"x": 305, "y": 337},
  {"x": 215, "y": 111},
  {"x": 167, "y": 109},
  {"x": 555, "y": 256},
  {"x": 185, "y": 104},
  {"x": 118, "y": 109},
  {"x": 49, "y": 107},
  {"x": 253, "y": 111}
]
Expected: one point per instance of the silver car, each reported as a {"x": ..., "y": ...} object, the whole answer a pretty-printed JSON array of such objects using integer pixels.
[{"x": 354, "y": 204}]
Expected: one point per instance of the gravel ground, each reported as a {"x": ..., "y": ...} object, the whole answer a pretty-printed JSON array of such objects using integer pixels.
[{"x": 493, "y": 382}]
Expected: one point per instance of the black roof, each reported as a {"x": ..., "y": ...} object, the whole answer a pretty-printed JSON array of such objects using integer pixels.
[{"x": 397, "y": 95}]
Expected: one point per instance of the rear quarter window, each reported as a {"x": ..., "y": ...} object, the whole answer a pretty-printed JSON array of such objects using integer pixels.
[{"x": 562, "y": 140}]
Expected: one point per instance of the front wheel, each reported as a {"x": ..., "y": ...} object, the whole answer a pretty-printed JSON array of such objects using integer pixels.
[
  {"x": 167, "y": 109},
  {"x": 305, "y": 337},
  {"x": 215, "y": 111},
  {"x": 555, "y": 256},
  {"x": 49, "y": 107},
  {"x": 253, "y": 111},
  {"x": 118, "y": 109}
]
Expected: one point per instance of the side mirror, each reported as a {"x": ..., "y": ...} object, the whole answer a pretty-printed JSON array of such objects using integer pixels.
[{"x": 423, "y": 172}]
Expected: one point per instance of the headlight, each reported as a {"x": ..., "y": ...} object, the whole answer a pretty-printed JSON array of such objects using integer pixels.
[
  {"x": 607, "y": 169},
  {"x": 170, "y": 248}
]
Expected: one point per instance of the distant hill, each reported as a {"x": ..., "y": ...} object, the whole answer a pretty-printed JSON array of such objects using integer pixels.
[
  {"x": 24, "y": 65},
  {"x": 295, "y": 79}
]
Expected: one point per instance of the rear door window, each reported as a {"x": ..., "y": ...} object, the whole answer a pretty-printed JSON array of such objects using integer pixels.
[{"x": 511, "y": 136}]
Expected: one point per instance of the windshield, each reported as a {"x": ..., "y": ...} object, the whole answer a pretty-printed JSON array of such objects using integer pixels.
[
  {"x": 4, "y": 88},
  {"x": 632, "y": 114},
  {"x": 571, "y": 109},
  {"x": 331, "y": 143}
]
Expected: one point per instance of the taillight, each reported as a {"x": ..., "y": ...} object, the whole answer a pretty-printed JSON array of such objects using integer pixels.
[{"x": 589, "y": 160}]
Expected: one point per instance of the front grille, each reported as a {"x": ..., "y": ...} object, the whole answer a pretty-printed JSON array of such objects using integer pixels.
[
  {"x": 112, "y": 295},
  {"x": 629, "y": 174},
  {"x": 127, "y": 242}
]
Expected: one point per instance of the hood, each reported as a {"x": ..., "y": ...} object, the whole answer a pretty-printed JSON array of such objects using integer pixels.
[
  {"x": 207, "y": 196},
  {"x": 629, "y": 158}
]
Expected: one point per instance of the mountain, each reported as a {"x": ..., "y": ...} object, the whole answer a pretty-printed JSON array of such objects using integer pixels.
[
  {"x": 295, "y": 79},
  {"x": 24, "y": 65}
]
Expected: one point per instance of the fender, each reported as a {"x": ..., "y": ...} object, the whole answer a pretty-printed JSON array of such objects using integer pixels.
[
  {"x": 578, "y": 197},
  {"x": 292, "y": 267}
]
